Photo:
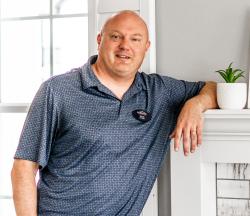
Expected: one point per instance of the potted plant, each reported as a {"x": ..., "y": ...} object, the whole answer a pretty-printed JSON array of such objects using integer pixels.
[{"x": 231, "y": 95}]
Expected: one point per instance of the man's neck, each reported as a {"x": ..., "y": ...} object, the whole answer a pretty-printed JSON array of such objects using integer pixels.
[{"x": 118, "y": 85}]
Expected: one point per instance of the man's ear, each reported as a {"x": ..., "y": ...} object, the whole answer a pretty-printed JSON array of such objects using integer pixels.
[
  {"x": 148, "y": 45},
  {"x": 99, "y": 39}
]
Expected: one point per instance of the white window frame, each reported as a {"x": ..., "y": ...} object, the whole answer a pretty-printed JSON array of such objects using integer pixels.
[{"x": 23, "y": 107}]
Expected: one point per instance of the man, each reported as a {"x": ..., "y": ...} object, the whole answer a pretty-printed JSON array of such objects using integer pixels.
[{"x": 99, "y": 133}]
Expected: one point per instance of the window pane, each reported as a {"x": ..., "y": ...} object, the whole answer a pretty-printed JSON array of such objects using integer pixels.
[
  {"x": 10, "y": 129},
  {"x": 70, "y": 43},
  {"x": 70, "y": 6},
  {"x": 24, "y": 59},
  {"x": 17, "y": 8},
  {"x": 7, "y": 207}
]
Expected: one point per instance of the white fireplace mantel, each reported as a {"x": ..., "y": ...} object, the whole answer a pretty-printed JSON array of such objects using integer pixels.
[{"x": 226, "y": 139}]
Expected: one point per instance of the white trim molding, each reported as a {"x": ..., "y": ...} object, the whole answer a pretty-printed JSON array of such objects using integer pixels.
[
  {"x": 226, "y": 139},
  {"x": 14, "y": 107}
]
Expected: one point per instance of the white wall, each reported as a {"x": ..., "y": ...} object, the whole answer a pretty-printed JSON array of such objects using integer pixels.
[{"x": 193, "y": 39}]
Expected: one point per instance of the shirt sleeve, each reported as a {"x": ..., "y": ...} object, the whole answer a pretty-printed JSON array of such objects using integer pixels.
[
  {"x": 39, "y": 128},
  {"x": 181, "y": 91}
]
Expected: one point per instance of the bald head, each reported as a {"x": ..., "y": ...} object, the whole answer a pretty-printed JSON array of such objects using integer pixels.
[
  {"x": 125, "y": 15},
  {"x": 122, "y": 45}
]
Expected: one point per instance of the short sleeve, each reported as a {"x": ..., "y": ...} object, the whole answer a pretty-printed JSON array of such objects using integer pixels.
[
  {"x": 39, "y": 128},
  {"x": 181, "y": 91}
]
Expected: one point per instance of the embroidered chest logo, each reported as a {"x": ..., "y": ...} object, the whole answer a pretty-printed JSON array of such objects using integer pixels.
[{"x": 141, "y": 115}]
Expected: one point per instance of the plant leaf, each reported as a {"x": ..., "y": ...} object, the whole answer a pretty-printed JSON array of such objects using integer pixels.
[
  {"x": 230, "y": 65},
  {"x": 230, "y": 76},
  {"x": 220, "y": 71},
  {"x": 238, "y": 76},
  {"x": 237, "y": 70},
  {"x": 223, "y": 76}
]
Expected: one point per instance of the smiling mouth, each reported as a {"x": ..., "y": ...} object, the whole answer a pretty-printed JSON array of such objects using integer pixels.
[{"x": 122, "y": 56}]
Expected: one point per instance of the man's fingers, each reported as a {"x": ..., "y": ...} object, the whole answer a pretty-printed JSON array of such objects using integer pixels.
[
  {"x": 199, "y": 136},
  {"x": 172, "y": 134},
  {"x": 193, "y": 134},
  {"x": 191, "y": 138},
  {"x": 186, "y": 141},
  {"x": 177, "y": 137}
]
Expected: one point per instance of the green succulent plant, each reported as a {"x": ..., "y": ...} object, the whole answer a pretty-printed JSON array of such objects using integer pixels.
[{"x": 231, "y": 75}]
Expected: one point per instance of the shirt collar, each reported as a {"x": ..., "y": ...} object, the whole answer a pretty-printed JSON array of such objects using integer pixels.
[
  {"x": 90, "y": 80},
  {"x": 88, "y": 77}
]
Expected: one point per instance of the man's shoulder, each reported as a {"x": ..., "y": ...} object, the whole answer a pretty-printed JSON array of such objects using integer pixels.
[
  {"x": 70, "y": 78},
  {"x": 154, "y": 79}
]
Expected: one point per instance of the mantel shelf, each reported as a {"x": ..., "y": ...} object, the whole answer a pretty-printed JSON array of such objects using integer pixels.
[
  {"x": 227, "y": 123},
  {"x": 220, "y": 113}
]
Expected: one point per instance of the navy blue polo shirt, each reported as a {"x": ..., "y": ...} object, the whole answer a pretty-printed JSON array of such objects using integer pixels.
[{"x": 95, "y": 156}]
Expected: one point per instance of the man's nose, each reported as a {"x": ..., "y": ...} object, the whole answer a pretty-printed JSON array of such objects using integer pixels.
[{"x": 124, "y": 44}]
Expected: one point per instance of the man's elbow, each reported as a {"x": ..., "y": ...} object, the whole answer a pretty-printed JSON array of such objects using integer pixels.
[{"x": 22, "y": 168}]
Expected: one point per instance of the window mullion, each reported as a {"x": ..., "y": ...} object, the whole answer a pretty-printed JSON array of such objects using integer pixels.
[
  {"x": 14, "y": 107},
  {"x": 0, "y": 52},
  {"x": 5, "y": 197},
  {"x": 44, "y": 17},
  {"x": 51, "y": 39}
]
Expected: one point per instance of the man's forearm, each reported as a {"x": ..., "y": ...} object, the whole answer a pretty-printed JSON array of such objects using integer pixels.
[
  {"x": 24, "y": 190},
  {"x": 207, "y": 96}
]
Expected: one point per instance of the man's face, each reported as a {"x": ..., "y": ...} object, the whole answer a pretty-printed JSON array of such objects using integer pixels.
[{"x": 123, "y": 44}]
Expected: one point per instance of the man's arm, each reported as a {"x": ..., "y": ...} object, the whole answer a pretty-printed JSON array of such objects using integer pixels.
[
  {"x": 24, "y": 187},
  {"x": 190, "y": 121}
]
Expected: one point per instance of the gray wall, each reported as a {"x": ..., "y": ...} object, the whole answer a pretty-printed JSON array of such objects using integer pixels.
[
  {"x": 197, "y": 37},
  {"x": 193, "y": 39}
]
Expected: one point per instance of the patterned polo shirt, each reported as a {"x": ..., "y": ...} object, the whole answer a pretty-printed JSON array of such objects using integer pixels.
[{"x": 99, "y": 155}]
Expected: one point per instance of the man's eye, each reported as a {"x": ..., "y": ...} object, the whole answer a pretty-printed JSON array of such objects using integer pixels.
[
  {"x": 136, "y": 39},
  {"x": 115, "y": 37}
]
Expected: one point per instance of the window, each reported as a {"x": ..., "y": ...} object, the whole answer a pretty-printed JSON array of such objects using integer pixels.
[{"x": 38, "y": 39}]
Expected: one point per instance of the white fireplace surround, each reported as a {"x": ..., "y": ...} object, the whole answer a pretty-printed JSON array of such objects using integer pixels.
[{"x": 226, "y": 139}]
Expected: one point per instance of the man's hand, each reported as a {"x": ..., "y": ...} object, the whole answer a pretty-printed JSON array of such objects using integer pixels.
[
  {"x": 190, "y": 121},
  {"x": 189, "y": 126}
]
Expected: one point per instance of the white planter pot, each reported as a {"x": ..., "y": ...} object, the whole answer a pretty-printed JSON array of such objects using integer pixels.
[{"x": 231, "y": 95}]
